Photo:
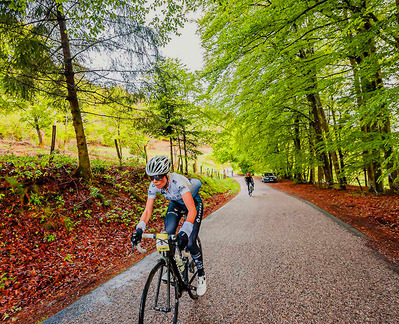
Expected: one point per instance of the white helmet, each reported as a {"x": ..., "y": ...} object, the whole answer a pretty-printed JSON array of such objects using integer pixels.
[{"x": 158, "y": 165}]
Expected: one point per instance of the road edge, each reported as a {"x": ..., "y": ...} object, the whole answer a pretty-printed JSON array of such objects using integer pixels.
[
  {"x": 348, "y": 227},
  {"x": 90, "y": 298}
]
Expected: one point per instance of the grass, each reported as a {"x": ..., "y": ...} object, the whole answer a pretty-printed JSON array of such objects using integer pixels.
[
  {"x": 156, "y": 147},
  {"x": 210, "y": 186}
]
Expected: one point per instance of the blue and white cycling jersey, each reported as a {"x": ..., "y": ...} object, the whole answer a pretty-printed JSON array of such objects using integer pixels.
[{"x": 178, "y": 185}]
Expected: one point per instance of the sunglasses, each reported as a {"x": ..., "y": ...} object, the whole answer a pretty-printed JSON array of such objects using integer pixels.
[{"x": 157, "y": 177}]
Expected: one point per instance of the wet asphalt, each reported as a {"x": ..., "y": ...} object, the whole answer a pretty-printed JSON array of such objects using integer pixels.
[{"x": 270, "y": 258}]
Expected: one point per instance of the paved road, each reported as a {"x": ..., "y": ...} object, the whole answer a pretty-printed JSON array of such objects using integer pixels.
[{"x": 270, "y": 258}]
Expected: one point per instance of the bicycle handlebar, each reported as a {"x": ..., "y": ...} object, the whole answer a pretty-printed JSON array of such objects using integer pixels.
[{"x": 171, "y": 237}]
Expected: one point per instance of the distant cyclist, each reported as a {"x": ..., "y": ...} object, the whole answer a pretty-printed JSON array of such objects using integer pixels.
[
  {"x": 184, "y": 201},
  {"x": 249, "y": 181}
]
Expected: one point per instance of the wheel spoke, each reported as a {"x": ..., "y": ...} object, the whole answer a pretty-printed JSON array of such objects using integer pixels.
[{"x": 159, "y": 302}]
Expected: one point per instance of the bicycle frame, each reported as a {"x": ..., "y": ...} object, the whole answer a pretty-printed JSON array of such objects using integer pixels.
[
  {"x": 182, "y": 278},
  {"x": 161, "y": 298},
  {"x": 171, "y": 262}
]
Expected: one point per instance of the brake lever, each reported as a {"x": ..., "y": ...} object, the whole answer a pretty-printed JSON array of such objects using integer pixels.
[
  {"x": 140, "y": 249},
  {"x": 138, "y": 246}
]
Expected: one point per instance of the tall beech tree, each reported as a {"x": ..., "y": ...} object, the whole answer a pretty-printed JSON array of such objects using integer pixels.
[{"x": 278, "y": 67}]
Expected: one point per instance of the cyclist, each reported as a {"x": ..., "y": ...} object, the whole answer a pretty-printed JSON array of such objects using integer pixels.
[
  {"x": 249, "y": 180},
  {"x": 184, "y": 201}
]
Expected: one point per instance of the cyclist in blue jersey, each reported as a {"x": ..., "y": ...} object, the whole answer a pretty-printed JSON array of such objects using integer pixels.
[{"x": 185, "y": 201}]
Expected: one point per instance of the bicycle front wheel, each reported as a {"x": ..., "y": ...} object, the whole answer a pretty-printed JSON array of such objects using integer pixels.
[{"x": 160, "y": 300}]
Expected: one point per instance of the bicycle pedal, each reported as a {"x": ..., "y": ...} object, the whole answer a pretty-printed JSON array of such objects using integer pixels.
[
  {"x": 162, "y": 309},
  {"x": 165, "y": 281}
]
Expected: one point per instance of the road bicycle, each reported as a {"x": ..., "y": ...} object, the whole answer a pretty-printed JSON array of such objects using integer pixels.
[
  {"x": 174, "y": 273},
  {"x": 250, "y": 189}
]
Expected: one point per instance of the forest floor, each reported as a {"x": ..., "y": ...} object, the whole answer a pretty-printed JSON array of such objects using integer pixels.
[
  {"x": 51, "y": 258},
  {"x": 375, "y": 216},
  {"x": 60, "y": 238}
]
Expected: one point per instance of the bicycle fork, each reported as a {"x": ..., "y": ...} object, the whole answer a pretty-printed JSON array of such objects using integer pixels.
[{"x": 168, "y": 308}]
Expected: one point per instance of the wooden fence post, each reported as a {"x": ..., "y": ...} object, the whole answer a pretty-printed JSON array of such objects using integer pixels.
[
  {"x": 52, "y": 148},
  {"x": 119, "y": 151},
  {"x": 53, "y": 139}
]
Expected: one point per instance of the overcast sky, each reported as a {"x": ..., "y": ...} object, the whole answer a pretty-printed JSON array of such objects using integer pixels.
[{"x": 186, "y": 47}]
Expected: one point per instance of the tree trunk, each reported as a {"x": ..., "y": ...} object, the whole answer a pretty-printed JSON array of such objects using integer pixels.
[
  {"x": 171, "y": 153},
  {"x": 386, "y": 130},
  {"x": 360, "y": 103},
  {"x": 318, "y": 115},
  {"x": 369, "y": 84},
  {"x": 386, "y": 135},
  {"x": 336, "y": 162},
  {"x": 320, "y": 176},
  {"x": 66, "y": 130},
  {"x": 311, "y": 175},
  {"x": 312, "y": 169},
  {"x": 185, "y": 149},
  {"x": 319, "y": 122},
  {"x": 374, "y": 167},
  {"x": 337, "y": 129},
  {"x": 145, "y": 153},
  {"x": 180, "y": 165},
  {"x": 53, "y": 137},
  {"x": 39, "y": 133},
  {"x": 364, "y": 88},
  {"x": 84, "y": 169},
  {"x": 118, "y": 152},
  {"x": 297, "y": 143}
]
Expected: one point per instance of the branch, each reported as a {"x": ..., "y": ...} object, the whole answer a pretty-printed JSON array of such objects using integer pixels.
[{"x": 108, "y": 116}]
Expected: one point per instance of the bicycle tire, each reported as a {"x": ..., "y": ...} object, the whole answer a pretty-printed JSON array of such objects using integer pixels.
[
  {"x": 192, "y": 274},
  {"x": 154, "y": 301}
]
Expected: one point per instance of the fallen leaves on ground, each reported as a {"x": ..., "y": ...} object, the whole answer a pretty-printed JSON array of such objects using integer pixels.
[{"x": 60, "y": 238}]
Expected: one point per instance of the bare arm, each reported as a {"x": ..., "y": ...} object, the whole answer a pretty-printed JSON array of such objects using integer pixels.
[
  {"x": 145, "y": 217},
  {"x": 189, "y": 202}
]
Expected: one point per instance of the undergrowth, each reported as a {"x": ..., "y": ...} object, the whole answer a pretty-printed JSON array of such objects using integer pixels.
[{"x": 56, "y": 229}]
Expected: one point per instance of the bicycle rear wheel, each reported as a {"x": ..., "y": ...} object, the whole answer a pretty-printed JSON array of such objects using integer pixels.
[
  {"x": 160, "y": 300},
  {"x": 251, "y": 189}
]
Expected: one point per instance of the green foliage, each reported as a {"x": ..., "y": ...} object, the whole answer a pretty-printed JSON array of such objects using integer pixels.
[
  {"x": 245, "y": 167},
  {"x": 119, "y": 215},
  {"x": 16, "y": 187},
  {"x": 30, "y": 168},
  {"x": 32, "y": 62},
  {"x": 69, "y": 258},
  {"x": 35, "y": 199},
  {"x": 4, "y": 279},
  {"x": 172, "y": 92},
  {"x": 211, "y": 186},
  {"x": 69, "y": 225},
  {"x": 12, "y": 128},
  {"x": 302, "y": 85},
  {"x": 94, "y": 192},
  {"x": 50, "y": 237}
]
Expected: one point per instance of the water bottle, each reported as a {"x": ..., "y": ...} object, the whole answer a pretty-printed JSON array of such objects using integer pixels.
[{"x": 179, "y": 262}]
